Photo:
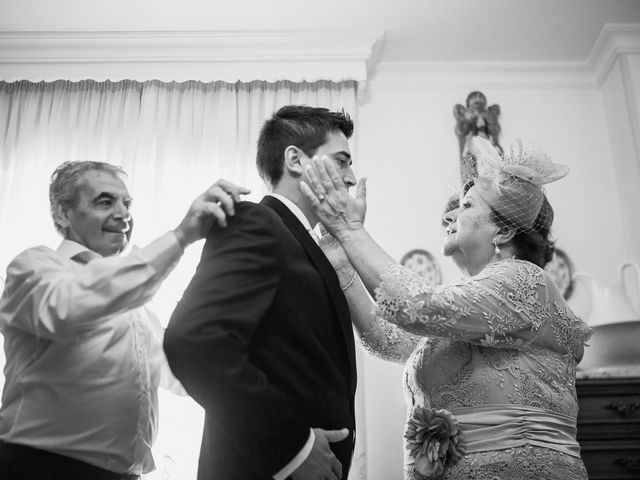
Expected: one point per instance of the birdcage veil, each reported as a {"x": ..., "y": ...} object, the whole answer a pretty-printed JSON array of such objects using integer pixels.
[{"x": 512, "y": 185}]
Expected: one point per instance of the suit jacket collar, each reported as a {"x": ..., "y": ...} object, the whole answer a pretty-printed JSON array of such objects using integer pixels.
[
  {"x": 295, "y": 209},
  {"x": 326, "y": 270}
]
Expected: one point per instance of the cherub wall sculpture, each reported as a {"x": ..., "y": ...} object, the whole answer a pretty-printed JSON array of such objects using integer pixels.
[{"x": 475, "y": 119}]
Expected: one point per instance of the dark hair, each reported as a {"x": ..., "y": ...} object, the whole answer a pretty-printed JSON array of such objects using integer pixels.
[
  {"x": 63, "y": 187},
  {"x": 300, "y": 125},
  {"x": 534, "y": 245}
]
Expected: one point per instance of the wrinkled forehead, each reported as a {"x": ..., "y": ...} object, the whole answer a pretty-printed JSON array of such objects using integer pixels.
[
  {"x": 478, "y": 209},
  {"x": 97, "y": 181}
]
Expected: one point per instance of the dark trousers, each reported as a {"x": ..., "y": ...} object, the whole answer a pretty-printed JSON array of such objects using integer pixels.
[{"x": 19, "y": 462}]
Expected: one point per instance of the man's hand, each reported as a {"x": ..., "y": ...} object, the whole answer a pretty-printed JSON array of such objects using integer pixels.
[
  {"x": 212, "y": 206},
  {"x": 322, "y": 464}
]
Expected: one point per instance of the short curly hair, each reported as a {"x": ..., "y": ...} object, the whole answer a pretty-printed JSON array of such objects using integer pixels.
[{"x": 64, "y": 184}]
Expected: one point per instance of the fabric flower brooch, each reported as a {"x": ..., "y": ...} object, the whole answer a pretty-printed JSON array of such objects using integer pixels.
[{"x": 434, "y": 440}]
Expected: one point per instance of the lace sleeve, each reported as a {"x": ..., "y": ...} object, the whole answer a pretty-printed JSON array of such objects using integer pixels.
[
  {"x": 503, "y": 306},
  {"x": 388, "y": 342}
]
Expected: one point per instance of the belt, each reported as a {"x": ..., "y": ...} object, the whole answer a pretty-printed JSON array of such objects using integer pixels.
[{"x": 496, "y": 427}]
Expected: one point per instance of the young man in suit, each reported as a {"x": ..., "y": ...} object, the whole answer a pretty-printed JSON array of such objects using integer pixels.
[{"x": 262, "y": 337}]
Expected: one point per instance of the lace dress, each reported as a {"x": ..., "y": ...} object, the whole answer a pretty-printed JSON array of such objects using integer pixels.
[{"x": 499, "y": 351}]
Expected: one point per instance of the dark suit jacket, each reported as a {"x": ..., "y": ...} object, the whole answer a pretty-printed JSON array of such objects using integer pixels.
[{"x": 262, "y": 339}]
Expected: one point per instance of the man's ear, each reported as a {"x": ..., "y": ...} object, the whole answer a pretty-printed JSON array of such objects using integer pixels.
[
  {"x": 61, "y": 214},
  {"x": 293, "y": 161}
]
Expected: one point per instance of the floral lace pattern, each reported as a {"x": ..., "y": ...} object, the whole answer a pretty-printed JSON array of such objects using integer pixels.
[
  {"x": 388, "y": 341},
  {"x": 522, "y": 463},
  {"x": 505, "y": 336}
]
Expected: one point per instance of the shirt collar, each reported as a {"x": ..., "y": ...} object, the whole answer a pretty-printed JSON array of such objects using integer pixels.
[
  {"x": 69, "y": 248},
  {"x": 294, "y": 209}
]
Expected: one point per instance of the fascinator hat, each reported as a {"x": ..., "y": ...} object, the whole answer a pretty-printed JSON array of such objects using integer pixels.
[{"x": 513, "y": 185}]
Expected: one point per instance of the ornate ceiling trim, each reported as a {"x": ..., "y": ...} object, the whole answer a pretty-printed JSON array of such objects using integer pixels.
[{"x": 190, "y": 55}]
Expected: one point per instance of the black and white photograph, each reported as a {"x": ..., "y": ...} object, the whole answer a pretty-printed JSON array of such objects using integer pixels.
[{"x": 346, "y": 240}]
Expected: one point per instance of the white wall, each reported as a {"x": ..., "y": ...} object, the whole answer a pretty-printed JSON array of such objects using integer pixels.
[
  {"x": 408, "y": 149},
  {"x": 621, "y": 101}
]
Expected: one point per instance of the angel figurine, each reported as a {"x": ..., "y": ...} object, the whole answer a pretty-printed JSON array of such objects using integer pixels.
[{"x": 476, "y": 119}]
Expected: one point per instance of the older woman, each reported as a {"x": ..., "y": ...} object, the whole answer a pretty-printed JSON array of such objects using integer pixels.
[{"x": 490, "y": 360}]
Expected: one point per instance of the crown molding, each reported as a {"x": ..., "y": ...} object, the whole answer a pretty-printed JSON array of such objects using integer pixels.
[
  {"x": 615, "y": 39},
  {"x": 269, "y": 55},
  {"x": 483, "y": 75},
  {"x": 294, "y": 55}
]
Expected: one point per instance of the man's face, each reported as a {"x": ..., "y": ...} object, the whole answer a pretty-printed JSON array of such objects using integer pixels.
[
  {"x": 100, "y": 219},
  {"x": 337, "y": 149}
]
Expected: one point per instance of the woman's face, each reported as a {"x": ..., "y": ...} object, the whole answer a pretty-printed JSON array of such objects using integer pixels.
[{"x": 469, "y": 233}]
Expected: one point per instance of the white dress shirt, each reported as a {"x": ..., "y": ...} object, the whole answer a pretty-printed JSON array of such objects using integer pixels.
[
  {"x": 83, "y": 354},
  {"x": 291, "y": 467}
]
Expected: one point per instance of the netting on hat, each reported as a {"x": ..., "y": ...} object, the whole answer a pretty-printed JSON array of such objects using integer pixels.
[{"x": 512, "y": 185}]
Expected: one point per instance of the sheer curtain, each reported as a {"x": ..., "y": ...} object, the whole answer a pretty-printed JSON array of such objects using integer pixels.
[{"x": 174, "y": 140}]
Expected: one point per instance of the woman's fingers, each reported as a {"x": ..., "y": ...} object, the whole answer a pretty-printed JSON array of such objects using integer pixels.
[
  {"x": 329, "y": 184},
  {"x": 332, "y": 171},
  {"x": 323, "y": 177},
  {"x": 322, "y": 168},
  {"x": 310, "y": 194},
  {"x": 361, "y": 190},
  {"x": 314, "y": 182},
  {"x": 361, "y": 198}
]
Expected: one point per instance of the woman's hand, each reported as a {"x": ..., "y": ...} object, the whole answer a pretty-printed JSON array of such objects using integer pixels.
[{"x": 338, "y": 211}]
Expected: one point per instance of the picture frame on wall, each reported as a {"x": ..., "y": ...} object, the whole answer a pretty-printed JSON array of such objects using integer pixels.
[
  {"x": 423, "y": 263},
  {"x": 561, "y": 270}
]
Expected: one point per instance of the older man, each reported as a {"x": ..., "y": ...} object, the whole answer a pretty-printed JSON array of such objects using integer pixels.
[{"x": 84, "y": 356}]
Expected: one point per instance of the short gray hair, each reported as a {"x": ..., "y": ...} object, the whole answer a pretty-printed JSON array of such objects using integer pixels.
[{"x": 63, "y": 188}]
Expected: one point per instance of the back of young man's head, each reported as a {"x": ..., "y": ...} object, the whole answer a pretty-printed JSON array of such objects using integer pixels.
[{"x": 299, "y": 125}]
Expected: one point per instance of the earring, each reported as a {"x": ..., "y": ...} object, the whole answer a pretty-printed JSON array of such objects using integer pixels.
[{"x": 497, "y": 248}]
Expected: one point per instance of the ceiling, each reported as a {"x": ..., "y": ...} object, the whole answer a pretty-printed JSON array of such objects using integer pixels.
[{"x": 416, "y": 30}]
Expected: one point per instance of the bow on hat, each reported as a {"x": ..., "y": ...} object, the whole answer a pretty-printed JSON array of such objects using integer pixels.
[{"x": 512, "y": 185}]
